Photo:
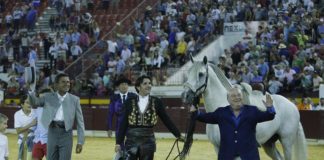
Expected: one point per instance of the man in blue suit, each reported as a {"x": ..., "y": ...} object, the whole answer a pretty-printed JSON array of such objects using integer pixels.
[
  {"x": 116, "y": 103},
  {"x": 237, "y": 123}
]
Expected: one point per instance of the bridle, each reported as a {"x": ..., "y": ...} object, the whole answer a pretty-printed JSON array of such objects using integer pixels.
[
  {"x": 182, "y": 154},
  {"x": 201, "y": 88}
]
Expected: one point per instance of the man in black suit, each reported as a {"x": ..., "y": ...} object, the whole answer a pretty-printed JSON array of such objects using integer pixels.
[{"x": 116, "y": 103}]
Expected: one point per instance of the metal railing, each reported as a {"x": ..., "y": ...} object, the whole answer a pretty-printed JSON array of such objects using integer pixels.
[{"x": 86, "y": 62}]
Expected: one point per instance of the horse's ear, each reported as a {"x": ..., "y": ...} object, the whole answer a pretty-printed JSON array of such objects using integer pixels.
[
  {"x": 205, "y": 60},
  {"x": 191, "y": 58}
]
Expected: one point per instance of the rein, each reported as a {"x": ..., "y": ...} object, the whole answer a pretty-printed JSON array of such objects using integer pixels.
[{"x": 176, "y": 142}]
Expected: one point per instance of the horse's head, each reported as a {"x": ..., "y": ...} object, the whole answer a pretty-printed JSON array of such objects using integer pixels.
[{"x": 197, "y": 81}]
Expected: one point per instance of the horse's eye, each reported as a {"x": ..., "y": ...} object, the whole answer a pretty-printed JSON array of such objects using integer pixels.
[{"x": 200, "y": 75}]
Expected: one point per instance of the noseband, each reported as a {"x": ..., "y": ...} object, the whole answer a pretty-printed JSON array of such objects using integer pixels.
[{"x": 202, "y": 88}]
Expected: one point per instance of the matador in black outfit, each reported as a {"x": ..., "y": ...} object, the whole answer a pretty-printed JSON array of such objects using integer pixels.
[{"x": 140, "y": 116}]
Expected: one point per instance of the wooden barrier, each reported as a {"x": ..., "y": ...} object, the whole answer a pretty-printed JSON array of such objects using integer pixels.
[{"x": 96, "y": 119}]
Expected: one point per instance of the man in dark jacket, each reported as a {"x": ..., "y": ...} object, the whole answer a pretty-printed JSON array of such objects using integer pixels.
[
  {"x": 116, "y": 104},
  {"x": 141, "y": 115},
  {"x": 237, "y": 123}
]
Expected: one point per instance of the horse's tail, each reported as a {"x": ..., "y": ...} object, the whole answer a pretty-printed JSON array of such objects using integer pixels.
[{"x": 300, "y": 146}]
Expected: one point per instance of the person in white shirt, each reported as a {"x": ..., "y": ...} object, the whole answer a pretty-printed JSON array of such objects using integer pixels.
[
  {"x": 62, "y": 49},
  {"x": 317, "y": 80},
  {"x": 24, "y": 123},
  {"x": 76, "y": 51},
  {"x": 40, "y": 140},
  {"x": 8, "y": 20},
  {"x": 320, "y": 105},
  {"x": 112, "y": 46},
  {"x": 53, "y": 51},
  {"x": 4, "y": 148},
  {"x": 125, "y": 53}
]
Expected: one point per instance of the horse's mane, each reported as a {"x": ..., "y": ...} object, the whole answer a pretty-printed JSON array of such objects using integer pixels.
[
  {"x": 221, "y": 76},
  {"x": 225, "y": 82}
]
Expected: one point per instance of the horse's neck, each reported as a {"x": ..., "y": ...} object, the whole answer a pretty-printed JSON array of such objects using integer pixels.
[{"x": 215, "y": 94}]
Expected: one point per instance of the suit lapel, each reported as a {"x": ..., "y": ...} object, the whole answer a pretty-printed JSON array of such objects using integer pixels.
[
  {"x": 243, "y": 116},
  {"x": 66, "y": 106},
  {"x": 55, "y": 101},
  {"x": 229, "y": 115}
]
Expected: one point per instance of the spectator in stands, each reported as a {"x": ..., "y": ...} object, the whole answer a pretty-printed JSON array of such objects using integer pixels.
[
  {"x": 13, "y": 87},
  {"x": 317, "y": 80},
  {"x": 257, "y": 78},
  {"x": 53, "y": 54},
  {"x": 47, "y": 42},
  {"x": 43, "y": 81},
  {"x": 120, "y": 66},
  {"x": 9, "y": 19},
  {"x": 16, "y": 42},
  {"x": 305, "y": 104},
  {"x": 157, "y": 60},
  {"x": 32, "y": 56},
  {"x": 306, "y": 82},
  {"x": 125, "y": 53},
  {"x": 31, "y": 18},
  {"x": 17, "y": 15},
  {"x": 96, "y": 30},
  {"x": 76, "y": 51},
  {"x": 101, "y": 90},
  {"x": 2, "y": 6},
  {"x": 51, "y": 23},
  {"x": 320, "y": 105},
  {"x": 274, "y": 85},
  {"x": 84, "y": 40},
  {"x": 107, "y": 80},
  {"x": 77, "y": 6},
  {"x": 25, "y": 122},
  {"x": 59, "y": 5},
  {"x": 62, "y": 49},
  {"x": 181, "y": 51}
]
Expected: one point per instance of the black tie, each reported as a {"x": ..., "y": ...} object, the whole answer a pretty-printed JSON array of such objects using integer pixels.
[{"x": 124, "y": 98}]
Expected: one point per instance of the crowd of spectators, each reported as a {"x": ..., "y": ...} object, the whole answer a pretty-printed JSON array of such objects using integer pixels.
[
  {"x": 284, "y": 55},
  {"x": 72, "y": 32}
]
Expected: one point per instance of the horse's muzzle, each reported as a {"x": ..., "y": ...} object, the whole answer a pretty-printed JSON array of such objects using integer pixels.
[{"x": 188, "y": 96}]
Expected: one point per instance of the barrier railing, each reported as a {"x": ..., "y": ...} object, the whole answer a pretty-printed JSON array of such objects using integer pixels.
[{"x": 85, "y": 63}]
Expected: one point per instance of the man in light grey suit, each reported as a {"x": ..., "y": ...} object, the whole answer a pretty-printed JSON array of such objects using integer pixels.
[{"x": 60, "y": 110}]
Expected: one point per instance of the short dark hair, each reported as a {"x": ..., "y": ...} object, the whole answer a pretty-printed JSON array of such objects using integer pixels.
[
  {"x": 3, "y": 117},
  {"x": 23, "y": 98},
  {"x": 59, "y": 76},
  {"x": 140, "y": 80}
]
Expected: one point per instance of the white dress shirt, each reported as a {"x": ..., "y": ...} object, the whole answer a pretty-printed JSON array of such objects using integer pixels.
[
  {"x": 143, "y": 102},
  {"x": 22, "y": 120},
  {"x": 121, "y": 96},
  {"x": 59, "y": 114}
]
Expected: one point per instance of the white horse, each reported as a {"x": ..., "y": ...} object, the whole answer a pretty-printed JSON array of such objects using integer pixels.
[{"x": 207, "y": 79}]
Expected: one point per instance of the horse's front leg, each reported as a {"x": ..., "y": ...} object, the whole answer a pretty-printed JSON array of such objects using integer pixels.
[{"x": 213, "y": 135}]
